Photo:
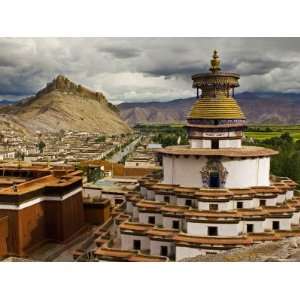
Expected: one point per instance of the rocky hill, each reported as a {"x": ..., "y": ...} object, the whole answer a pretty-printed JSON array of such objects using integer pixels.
[
  {"x": 283, "y": 250},
  {"x": 271, "y": 108},
  {"x": 63, "y": 104}
]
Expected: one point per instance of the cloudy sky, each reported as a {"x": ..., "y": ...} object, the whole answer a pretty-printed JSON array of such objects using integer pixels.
[{"x": 144, "y": 69}]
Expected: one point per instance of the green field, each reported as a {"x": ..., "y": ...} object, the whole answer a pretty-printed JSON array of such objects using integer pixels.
[
  {"x": 258, "y": 132},
  {"x": 261, "y": 132}
]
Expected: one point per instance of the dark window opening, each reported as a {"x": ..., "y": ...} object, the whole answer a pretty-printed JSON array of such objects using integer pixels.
[
  {"x": 167, "y": 198},
  {"x": 213, "y": 206},
  {"x": 164, "y": 251},
  {"x": 239, "y": 204},
  {"x": 212, "y": 230},
  {"x": 151, "y": 220},
  {"x": 188, "y": 202},
  {"x": 249, "y": 227},
  {"x": 175, "y": 224},
  {"x": 276, "y": 225},
  {"x": 262, "y": 202},
  {"x": 137, "y": 245},
  {"x": 215, "y": 144},
  {"x": 214, "y": 180},
  {"x": 216, "y": 122}
]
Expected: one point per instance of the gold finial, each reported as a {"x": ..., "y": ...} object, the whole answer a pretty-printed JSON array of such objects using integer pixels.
[{"x": 215, "y": 63}]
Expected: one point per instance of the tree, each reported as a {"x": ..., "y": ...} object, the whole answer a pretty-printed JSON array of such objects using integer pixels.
[
  {"x": 61, "y": 134},
  {"x": 41, "y": 145},
  {"x": 100, "y": 139}
]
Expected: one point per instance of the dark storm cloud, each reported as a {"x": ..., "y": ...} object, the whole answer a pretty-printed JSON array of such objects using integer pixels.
[
  {"x": 183, "y": 69},
  {"x": 121, "y": 53},
  {"x": 146, "y": 68},
  {"x": 258, "y": 66}
]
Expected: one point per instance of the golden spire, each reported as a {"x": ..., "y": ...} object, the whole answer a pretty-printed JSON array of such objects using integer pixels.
[{"x": 215, "y": 63}]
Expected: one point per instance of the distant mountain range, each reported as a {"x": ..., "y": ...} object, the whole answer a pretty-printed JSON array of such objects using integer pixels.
[
  {"x": 260, "y": 108},
  {"x": 6, "y": 102},
  {"x": 63, "y": 104}
]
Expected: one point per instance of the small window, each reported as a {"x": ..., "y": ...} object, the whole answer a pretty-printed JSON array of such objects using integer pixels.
[
  {"x": 137, "y": 245},
  {"x": 213, "y": 206},
  {"x": 276, "y": 225},
  {"x": 163, "y": 250},
  {"x": 167, "y": 198},
  {"x": 262, "y": 202},
  {"x": 136, "y": 164},
  {"x": 212, "y": 230},
  {"x": 215, "y": 144},
  {"x": 151, "y": 220},
  {"x": 175, "y": 224},
  {"x": 188, "y": 202},
  {"x": 239, "y": 204},
  {"x": 249, "y": 228}
]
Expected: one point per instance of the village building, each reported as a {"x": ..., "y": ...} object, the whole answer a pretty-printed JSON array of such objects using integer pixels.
[{"x": 44, "y": 204}]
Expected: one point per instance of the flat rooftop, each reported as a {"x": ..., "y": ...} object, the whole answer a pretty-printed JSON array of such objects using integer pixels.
[
  {"x": 35, "y": 178},
  {"x": 245, "y": 151}
]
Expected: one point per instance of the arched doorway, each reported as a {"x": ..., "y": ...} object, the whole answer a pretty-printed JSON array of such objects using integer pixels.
[
  {"x": 214, "y": 174},
  {"x": 214, "y": 179}
]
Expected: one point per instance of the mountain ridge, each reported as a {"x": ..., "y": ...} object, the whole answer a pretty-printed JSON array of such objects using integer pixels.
[
  {"x": 259, "y": 107},
  {"x": 62, "y": 104}
]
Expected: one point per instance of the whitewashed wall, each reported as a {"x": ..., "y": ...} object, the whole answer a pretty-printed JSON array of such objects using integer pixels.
[
  {"x": 168, "y": 222},
  {"x": 281, "y": 198},
  {"x": 135, "y": 213},
  {"x": 256, "y": 203},
  {"x": 150, "y": 195},
  {"x": 155, "y": 247},
  {"x": 241, "y": 173},
  {"x": 143, "y": 218},
  {"x": 182, "y": 201},
  {"x": 270, "y": 201},
  {"x": 127, "y": 241},
  {"x": 112, "y": 197},
  {"x": 143, "y": 191},
  {"x": 230, "y": 143},
  {"x": 285, "y": 224},
  {"x": 201, "y": 229},
  {"x": 246, "y": 203},
  {"x": 196, "y": 143},
  {"x": 129, "y": 207},
  {"x": 289, "y": 195},
  {"x": 296, "y": 218},
  {"x": 207, "y": 144},
  {"x": 247, "y": 172},
  {"x": 258, "y": 226},
  {"x": 222, "y": 206},
  {"x": 161, "y": 198},
  {"x": 187, "y": 252},
  {"x": 183, "y": 171},
  {"x": 91, "y": 193}
]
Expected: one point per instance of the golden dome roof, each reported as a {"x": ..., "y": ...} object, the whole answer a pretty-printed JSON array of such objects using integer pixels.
[
  {"x": 215, "y": 101},
  {"x": 216, "y": 108}
]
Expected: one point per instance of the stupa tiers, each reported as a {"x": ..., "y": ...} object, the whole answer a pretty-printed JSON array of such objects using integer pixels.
[
  {"x": 215, "y": 125},
  {"x": 215, "y": 193}
]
